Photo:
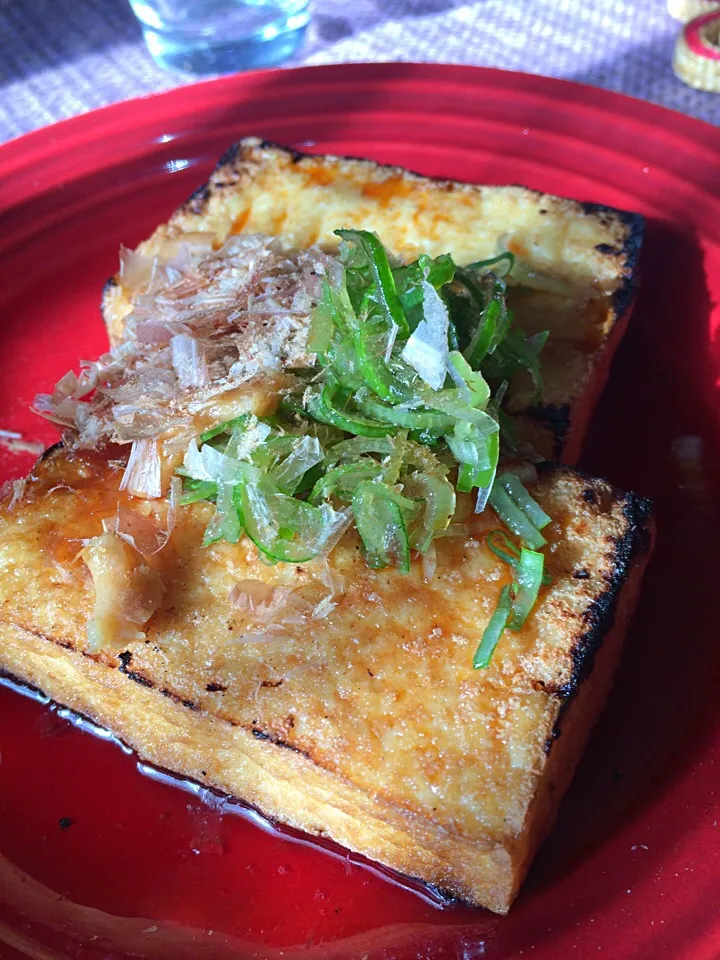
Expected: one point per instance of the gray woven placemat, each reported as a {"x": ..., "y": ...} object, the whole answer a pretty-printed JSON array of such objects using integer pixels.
[{"x": 62, "y": 57}]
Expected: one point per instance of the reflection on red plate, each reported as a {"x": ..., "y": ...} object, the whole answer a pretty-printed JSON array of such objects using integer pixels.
[{"x": 100, "y": 861}]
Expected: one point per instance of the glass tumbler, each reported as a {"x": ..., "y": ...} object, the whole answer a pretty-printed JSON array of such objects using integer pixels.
[{"x": 221, "y": 36}]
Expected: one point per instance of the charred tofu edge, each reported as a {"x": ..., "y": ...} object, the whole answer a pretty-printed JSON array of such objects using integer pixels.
[{"x": 636, "y": 542}]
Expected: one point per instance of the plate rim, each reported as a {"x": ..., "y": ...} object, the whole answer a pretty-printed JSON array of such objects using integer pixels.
[{"x": 385, "y": 71}]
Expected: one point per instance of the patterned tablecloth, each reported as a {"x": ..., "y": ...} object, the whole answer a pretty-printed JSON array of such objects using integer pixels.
[{"x": 62, "y": 57}]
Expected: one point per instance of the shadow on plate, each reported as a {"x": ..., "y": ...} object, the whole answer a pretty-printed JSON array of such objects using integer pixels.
[{"x": 655, "y": 431}]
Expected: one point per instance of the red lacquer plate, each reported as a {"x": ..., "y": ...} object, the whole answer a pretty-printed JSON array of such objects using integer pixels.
[{"x": 99, "y": 861}]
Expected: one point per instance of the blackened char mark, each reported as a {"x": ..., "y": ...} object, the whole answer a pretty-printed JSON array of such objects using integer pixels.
[
  {"x": 198, "y": 199},
  {"x": 190, "y": 704},
  {"x": 634, "y": 223},
  {"x": 557, "y": 420},
  {"x": 262, "y": 735},
  {"x": 554, "y": 734},
  {"x": 51, "y": 452},
  {"x": 600, "y": 616},
  {"x": 125, "y": 659}
]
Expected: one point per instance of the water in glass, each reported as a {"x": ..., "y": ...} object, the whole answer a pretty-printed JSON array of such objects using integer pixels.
[{"x": 221, "y": 36}]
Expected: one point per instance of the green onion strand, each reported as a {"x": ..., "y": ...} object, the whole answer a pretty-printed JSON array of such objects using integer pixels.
[
  {"x": 493, "y": 631},
  {"x": 528, "y": 580},
  {"x": 519, "y": 495}
]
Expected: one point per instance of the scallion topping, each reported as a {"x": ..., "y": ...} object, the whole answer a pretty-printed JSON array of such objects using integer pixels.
[
  {"x": 528, "y": 579},
  {"x": 504, "y": 549},
  {"x": 402, "y": 407},
  {"x": 514, "y": 518},
  {"x": 494, "y": 630},
  {"x": 381, "y": 517},
  {"x": 517, "y": 600},
  {"x": 519, "y": 495}
]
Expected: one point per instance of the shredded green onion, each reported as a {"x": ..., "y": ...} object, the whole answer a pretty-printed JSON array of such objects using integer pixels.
[
  {"x": 517, "y": 352},
  {"x": 501, "y": 265},
  {"x": 439, "y": 499},
  {"x": 305, "y": 454},
  {"x": 514, "y": 518},
  {"x": 282, "y": 527},
  {"x": 380, "y": 516},
  {"x": 322, "y": 406},
  {"x": 356, "y": 447},
  {"x": 341, "y": 481},
  {"x": 519, "y": 495},
  {"x": 494, "y": 630},
  {"x": 402, "y": 408},
  {"x": 227, "y": 523},
  {"x": 413, "y": 419},
  {"x": 322, "y": 323},
  {"x": 382, "y": 274},
  {"x": 516, "y": 601},
  {"x": 504, "y": 549},
  {"x": 528, "y": 580},
  {"x": 195, "y": 490}
]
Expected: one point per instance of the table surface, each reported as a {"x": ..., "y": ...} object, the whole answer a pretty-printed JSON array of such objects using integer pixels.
[{"x": 59, "y": 58}]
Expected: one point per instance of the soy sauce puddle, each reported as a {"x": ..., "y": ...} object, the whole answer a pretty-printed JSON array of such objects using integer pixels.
[{"x": 222, "y": 804}]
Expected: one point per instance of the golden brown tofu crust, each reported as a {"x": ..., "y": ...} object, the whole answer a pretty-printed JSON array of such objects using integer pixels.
[
  {"x": 368, "y": 725},
  {"x": 591, "y": 250}
]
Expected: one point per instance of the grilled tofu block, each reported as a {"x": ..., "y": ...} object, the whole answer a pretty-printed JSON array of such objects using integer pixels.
[
  {"x": 344, "y": 702},
  {"x": 576, "y": 271}
]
